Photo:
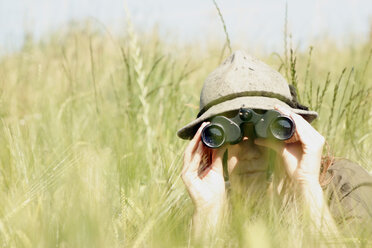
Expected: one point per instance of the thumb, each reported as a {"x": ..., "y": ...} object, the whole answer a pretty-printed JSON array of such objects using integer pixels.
[{"x": 217, "y": 160}]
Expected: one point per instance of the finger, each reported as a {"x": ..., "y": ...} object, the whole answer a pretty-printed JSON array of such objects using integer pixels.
[
  {"x": 274, "y": 145},
  {"x": 217, "y": 160},
  {"x": 192, "y": 165},
  {"x": 305, "y": 132},
  {"x": 297, "y": 118},
  {"x": 293, "y": 139},
  {"x": 215, "y": 163},
  {"x": 197, "y": 137},
  {"x": 281, "y": 149},
  {"x": 198, "y": 154},
  {"x": 193, "y": 144}
]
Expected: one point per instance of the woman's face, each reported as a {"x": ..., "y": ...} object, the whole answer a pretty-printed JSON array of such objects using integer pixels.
[{"x": 247, "y": 163}]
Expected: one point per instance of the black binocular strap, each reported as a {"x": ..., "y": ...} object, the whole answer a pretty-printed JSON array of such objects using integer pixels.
[
  {"x": 270, "y": 168},
  {"x": 225, "y": 170}
]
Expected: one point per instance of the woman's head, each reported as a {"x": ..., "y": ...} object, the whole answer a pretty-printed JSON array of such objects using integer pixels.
[{"x": 243, "y": 80}]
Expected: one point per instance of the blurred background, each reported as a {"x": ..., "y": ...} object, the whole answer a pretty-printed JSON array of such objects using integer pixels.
[
  {"x": 258, "y": 23},
  {"x": 92, "y": 95}
]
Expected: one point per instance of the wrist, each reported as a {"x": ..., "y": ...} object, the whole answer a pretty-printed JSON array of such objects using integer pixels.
[
  {"x": 214, "y": 208},
  {"x": 207, "y": 220},
  {"x": 312, "y": 196},
  {"x": 311, "y": 188},
  {"x": 315, "y": 206},
  {"x": 306, "y": 180},
  {"x": 310, "y": 183}
]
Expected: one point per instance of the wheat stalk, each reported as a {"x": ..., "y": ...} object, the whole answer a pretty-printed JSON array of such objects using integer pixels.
[
  {"x": 141, "y": 78},
  {"x": 224, "y": 26}
]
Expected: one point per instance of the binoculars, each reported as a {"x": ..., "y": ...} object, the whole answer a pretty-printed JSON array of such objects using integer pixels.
[{"x": 270, "y": 124}]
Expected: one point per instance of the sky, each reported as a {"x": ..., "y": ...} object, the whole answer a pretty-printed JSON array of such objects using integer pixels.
[{"x": 258, "y": 22}]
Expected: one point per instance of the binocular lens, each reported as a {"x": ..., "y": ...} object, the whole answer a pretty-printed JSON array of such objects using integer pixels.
[
  {"x": 282, "y": 128},
  {"x": 213, "y": 136}
]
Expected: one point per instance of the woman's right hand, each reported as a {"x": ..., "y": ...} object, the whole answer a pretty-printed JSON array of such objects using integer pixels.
[{"x": 204, "y": 180}]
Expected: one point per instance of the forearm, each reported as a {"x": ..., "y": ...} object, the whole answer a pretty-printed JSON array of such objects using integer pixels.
[
  {"x": 316, "y": 208},
  {"x": 207, "y": 221}
]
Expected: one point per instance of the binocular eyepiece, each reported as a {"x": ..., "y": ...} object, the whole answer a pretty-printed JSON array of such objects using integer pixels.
[{"x": 271, "y": 124}]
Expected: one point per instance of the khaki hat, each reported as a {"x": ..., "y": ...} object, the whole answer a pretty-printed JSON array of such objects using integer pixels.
[{"x": 242, "y": 80}]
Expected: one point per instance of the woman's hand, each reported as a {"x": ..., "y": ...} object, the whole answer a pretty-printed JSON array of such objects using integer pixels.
[
  {"x": 301, "y": 158},
  {"x": 204, "y": 182}
]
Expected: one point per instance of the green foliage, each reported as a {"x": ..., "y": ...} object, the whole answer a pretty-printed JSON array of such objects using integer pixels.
[{"x": 90, "y": 157}]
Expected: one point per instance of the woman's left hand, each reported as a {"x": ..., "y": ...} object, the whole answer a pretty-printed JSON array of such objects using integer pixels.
[{"x": 302, "y": 158}]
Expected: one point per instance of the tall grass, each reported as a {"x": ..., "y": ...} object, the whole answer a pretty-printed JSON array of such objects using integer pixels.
[{"x": 82, "y": 110}]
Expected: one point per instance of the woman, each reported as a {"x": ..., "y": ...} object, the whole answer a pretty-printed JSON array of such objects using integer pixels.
[{"x": 243, "y": 81}]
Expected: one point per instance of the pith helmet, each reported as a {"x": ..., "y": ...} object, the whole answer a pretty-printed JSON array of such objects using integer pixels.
[{"x": 242, "y": 80}]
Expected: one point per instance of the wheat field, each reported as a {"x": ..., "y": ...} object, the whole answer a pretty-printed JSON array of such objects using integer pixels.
[{"x": 89, "y": 155}]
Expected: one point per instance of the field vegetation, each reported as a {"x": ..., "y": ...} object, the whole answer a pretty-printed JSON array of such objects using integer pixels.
[{"x": 89, "y": 155}]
